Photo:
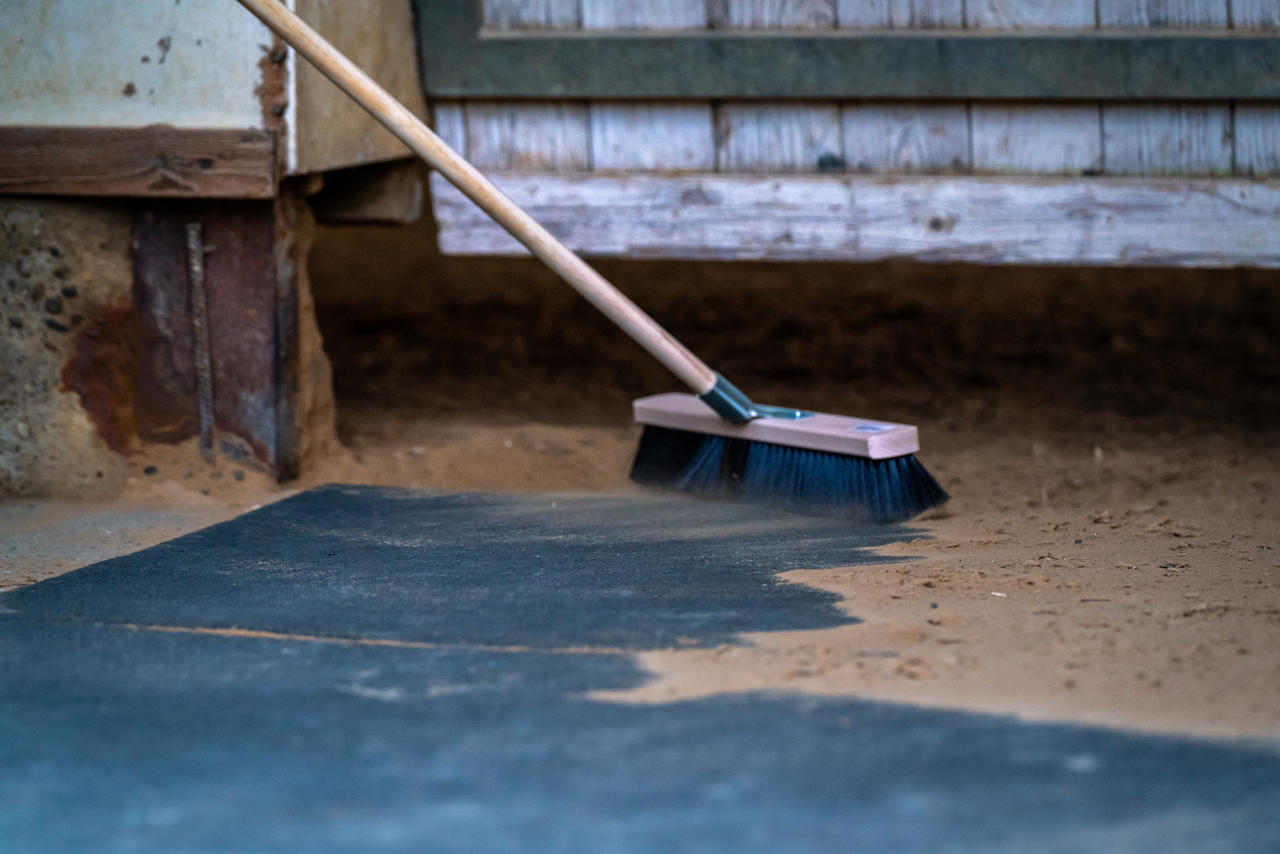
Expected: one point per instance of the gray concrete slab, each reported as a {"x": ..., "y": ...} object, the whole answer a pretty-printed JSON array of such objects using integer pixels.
[{"x": 131, "y": 719}]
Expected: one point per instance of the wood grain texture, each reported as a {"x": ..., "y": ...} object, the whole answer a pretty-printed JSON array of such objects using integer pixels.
[
  {"x": 772, "y": 14},
  {"x": 332, "y": 131},
  {"x": 530, "y": 137},
  {"x": 793, "y": 137},
  {"x": 450, "y": 124},
  {"x": 1037, "y": 139},
  {"x": 779, "y": 138},
  {"x": 643, "y": 14},
  {"x": 705, "y": 216},
  {"x": 1206, "y": 223},
  {"x": 1160, "y": 14},
  {"x": 900, "y": 14},
  {"x": 1257, "y": 136},
  {"x": 1029, "y": 14},
  {"x": 1255, "y": 14},
  {"x": 531, "y": 14},
  {"x": 149, "y": 161},
  {"x": 652, "y": 137},
  {"x": 1161, "y": 139},
  {"x": 919, "y": 138}
]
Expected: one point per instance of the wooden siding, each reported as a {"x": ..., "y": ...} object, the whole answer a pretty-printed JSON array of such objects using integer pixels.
[
  {"x": 740, "y": 180},
  {"x": 1134, "y": 221},
  {"x": 1192, "y": 140}
]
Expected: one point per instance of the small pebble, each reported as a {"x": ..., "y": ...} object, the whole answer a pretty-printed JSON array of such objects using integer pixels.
[
  {"x": 237, "y": 474},
  {"x": 53, "y": 305},
  {"x": 24, "y": 432},
  {"x": 150, "y": 470},
  {"x": 933, "y": 605}
]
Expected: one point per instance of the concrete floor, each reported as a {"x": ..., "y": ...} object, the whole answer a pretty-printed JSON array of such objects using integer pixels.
[{"x": 390, "y": 670}]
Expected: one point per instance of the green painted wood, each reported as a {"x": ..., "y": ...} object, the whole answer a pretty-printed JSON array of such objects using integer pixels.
[{"x": 462, "y": 60}]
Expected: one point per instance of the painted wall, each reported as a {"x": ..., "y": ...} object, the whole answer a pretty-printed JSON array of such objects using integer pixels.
[
  {"x": 115, "y": 63},
  {"x": 196, "y": 64}
]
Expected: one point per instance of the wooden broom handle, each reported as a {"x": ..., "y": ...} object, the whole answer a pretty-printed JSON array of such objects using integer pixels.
[{"x": 414, "y": 133}]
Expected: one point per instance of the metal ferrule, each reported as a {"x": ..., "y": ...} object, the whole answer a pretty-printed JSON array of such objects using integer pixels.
[{"x": 729, "y": 403}]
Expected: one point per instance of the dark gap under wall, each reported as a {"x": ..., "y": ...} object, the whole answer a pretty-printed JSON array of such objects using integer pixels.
[{"x": 503, "y": 338}]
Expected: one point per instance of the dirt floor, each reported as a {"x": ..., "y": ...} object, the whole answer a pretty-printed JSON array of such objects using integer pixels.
[{"x": 1112, "y": 551}]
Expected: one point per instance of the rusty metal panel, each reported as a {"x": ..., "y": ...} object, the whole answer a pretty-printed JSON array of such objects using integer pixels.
[{"x": 241, "y": 287}]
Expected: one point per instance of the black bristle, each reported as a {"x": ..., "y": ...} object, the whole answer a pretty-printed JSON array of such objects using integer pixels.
[{"x": 796, "y": 479}]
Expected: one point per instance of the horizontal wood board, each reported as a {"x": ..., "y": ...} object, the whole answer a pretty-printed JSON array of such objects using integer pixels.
[
  {"x": 1205, "y": 223},
  {"x": 944, "y": 135},
  {"x": 153, "y": 161},
  {"x": 461, "y": 58}
]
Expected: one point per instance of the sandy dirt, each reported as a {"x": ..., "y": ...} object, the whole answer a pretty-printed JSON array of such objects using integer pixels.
[{"x": 1112, "y": 551}]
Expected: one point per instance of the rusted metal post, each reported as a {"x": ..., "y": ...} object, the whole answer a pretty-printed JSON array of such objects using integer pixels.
[{"x": 200, "y": 337}]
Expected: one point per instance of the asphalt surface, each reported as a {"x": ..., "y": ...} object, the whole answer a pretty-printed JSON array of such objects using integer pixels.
[{"x": 385, "y": 670}]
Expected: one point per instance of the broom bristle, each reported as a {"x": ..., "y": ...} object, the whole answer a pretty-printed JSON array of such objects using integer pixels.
[{"x": 796, "y": 479}]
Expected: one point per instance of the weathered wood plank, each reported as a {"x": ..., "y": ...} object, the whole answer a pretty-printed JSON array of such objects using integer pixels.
[
  {"x": 149, "y": 161},
  {"x": 1037, "y": 139},
  {"x": 1162, "y": 139},
  {"x": 1159, "y": 14},
  {"x": 643, "y": 14},
  {"x": 1202, "y": 223},
  {"x": 532, "y": 137},
  {"x": 733, "y": 64},
  {"x": 450, "y": 124},
  {"x": 987, "y": 220},
  {"x": 900, "y": 14},
  {"x": 906, "y": 137},
  {"x": 652, "y": 137},
  {"x": 531, "y": 14},
  {"x": 910, "y": 136},
  {"x": 1029, "y": 14},
  {"x": 779, "y": 138},
  {"x": 705, "y": 216},
  {"x": 1257, "y": 136},
  {"x": 773, "y": 14},
  {"x": 776, "y": 137},
  {"x": 328, "y": 129},
  {"x": 1034, "y": 138},
  {"x": 1255, "y": 14}
]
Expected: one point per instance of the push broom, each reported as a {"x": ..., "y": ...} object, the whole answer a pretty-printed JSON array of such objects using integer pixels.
[{"x": 715, "y": 442}]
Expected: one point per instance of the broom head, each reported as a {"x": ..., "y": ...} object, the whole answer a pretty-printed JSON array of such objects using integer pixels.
[{"x": 806, "y": 462}]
